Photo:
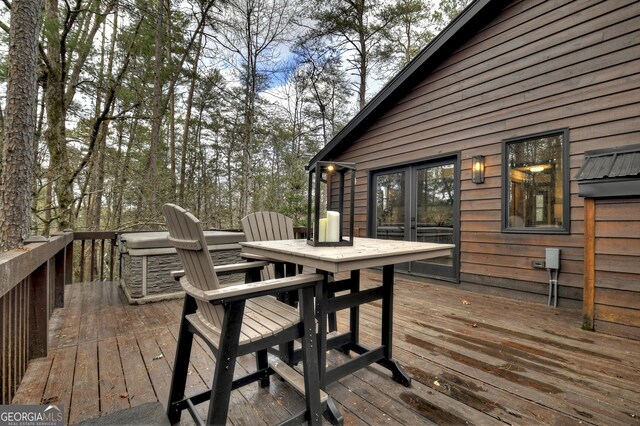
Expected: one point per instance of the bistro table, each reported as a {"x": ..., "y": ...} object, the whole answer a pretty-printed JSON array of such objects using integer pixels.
[{"x": 365, "y": 253}]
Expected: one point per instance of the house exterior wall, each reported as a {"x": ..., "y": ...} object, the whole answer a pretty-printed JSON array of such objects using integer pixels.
[
  {"x": 617, "y": 267},
  {"x": 538, "y": 66}
]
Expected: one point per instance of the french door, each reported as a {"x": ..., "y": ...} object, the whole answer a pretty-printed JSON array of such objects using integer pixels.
[{"x": 419, "y": 202}]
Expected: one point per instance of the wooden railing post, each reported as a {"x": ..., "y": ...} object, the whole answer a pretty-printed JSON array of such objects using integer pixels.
[
  {"x": 102, "y": 260},
  {"x": 68, "y": 261},
  {"x": 81, "y": 261},
  {"x": 59, "y": 275},
  {"x": 38, "y": 312},
  {"x": 588, "y": 295},
  {"x": 112, "y": 255},
  {"x": 93, "y": 260}
]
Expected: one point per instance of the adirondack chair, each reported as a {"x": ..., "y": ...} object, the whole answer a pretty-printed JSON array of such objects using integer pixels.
[
  {"x": 268, "y": 226},
  {"x": 236, "y": 320}
]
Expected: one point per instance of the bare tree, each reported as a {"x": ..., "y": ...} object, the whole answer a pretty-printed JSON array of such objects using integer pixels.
[{"x": 252, "y": 31}]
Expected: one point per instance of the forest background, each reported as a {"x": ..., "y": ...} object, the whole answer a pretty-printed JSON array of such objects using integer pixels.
[{"x": 216, "y": 105}]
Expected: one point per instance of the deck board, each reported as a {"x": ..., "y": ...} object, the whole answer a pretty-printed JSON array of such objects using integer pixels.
[
  {"x": 139, "y": 387},
  {"x": 85, "y": 392},
  {"x": 113, "y": 388},
  {"x": 474, "y": 359}
]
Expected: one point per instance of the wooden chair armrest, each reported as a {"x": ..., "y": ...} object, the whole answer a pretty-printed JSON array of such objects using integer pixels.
[
  {"x": 238, "y": 268},
  {"x": 256, "y": 257},
  {"x": 251, "y": 256},
  {"x": 234, "y": 268},
  {"x": 177, "y": 274},
  {"x": 251, "y": 290}
]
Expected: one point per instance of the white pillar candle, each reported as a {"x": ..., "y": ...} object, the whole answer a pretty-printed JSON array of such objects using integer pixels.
[
  {"x": 333, "y": 226},
  {"x": 322, "y": 233}
]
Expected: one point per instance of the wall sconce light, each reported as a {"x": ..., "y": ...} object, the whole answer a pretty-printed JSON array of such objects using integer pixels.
[{"x": 477, "y": 169}]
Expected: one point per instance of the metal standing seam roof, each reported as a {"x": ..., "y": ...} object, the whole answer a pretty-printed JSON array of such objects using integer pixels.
[
  {"x": 616, "y": 162},
  {"x": 610, "y": 172}
]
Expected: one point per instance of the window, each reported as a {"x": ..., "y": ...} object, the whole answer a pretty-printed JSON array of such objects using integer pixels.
[{"x": 536, "y": 183}]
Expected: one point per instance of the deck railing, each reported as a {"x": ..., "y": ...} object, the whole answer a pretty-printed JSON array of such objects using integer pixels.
[
  {"x": 98, "y": 255},
  {"x": 32, "y": 280}
]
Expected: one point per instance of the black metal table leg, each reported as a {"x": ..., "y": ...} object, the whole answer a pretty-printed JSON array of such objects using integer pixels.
[
  {"x": 354, "y": 312},
  {"x": 399, "y": 375},
  {"x": 321, "y": 300}
]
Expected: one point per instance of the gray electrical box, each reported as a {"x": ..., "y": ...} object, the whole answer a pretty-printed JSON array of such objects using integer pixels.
[{"x": 552, "y": 258}]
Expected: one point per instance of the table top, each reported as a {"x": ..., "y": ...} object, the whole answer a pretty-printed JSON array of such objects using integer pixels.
[{"x": 365, "y": 253}]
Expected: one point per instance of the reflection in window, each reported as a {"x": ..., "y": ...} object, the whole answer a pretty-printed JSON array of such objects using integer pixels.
[
  {"x": 535, "y": 183},
  {"x": 390, "y": 199},
  {"x": 436, "y": 190},
  {"x": 434, "y": 207}
]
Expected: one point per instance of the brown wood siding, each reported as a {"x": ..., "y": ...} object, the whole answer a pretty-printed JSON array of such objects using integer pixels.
[
  {"x": 539, "y": 66},
  {"x": 617, "y": 267}
]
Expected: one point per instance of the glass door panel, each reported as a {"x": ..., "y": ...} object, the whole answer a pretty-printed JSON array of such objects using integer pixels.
[
  {"x": 434, "y": 202},
  {"x": 391, "y": 206},
  {"x": 419, "y": 203}
]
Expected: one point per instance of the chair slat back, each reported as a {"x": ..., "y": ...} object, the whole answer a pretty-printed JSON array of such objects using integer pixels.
[
  {"x": 267, "y": 226},
  {"x": 185, "y": 233}
]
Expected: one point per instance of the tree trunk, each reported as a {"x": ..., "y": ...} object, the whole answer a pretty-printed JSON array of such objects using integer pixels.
[
  {"x": 55, "y": 134},
  {"x": 92, "y": 221},
  {"x": 1, "y": 140},
  {"x": 157, "y": 113},
  {"x": 248, "y": 127},
  {"x": 172, "y": 109},
  {"x": 20, "y": 123},
  {"x": 125, "y": 172},
  {"x": 362, "y": 37},
  {"x": 116, "y": 184},
  {"x": 187, "y": 120}
]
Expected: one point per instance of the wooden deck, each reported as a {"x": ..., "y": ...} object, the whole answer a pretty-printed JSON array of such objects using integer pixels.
[{"x": 474, "y": 359}]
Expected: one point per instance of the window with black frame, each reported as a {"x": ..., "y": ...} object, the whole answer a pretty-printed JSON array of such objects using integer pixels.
[{"x": 536, "y": 183}]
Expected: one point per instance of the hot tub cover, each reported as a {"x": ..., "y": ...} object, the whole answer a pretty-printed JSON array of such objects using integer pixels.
[{"x": 151, "y": 240}]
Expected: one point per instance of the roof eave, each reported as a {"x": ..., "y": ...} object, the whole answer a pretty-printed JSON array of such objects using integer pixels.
[{"x": 609, "y": 188}]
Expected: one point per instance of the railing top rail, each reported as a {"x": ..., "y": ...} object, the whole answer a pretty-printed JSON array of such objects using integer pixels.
[
  {"x": 18, "y": 264},
  {"x": 95, "y": 235}
]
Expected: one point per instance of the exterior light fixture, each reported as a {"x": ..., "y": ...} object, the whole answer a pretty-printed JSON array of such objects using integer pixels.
[
  {"x": 326, "y": 204},
  {"x": 477, "y": 169}
]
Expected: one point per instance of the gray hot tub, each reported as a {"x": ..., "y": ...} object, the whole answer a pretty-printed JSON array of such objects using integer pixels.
[{"x": 147, "y": 258}]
